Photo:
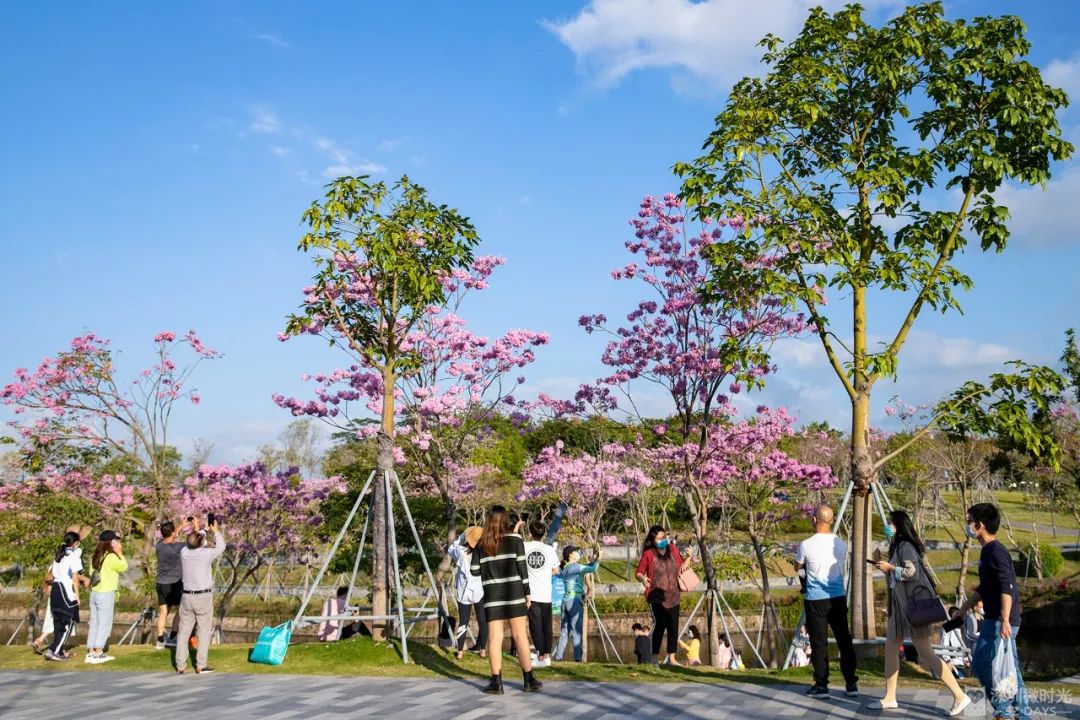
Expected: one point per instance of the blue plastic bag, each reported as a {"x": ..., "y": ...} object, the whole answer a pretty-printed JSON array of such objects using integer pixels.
[{"x": 272, "y": 644}]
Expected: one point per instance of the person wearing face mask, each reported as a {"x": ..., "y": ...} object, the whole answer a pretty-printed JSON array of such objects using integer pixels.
[
  {"x": 658, "y": 572},
  {"x": 906, "y": 575},
  {"x": 997, "y": 591},
  {"x": 822, "y": 557}
]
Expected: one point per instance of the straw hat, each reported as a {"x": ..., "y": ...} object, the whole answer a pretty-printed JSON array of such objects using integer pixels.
[
  {"x": 472, "y": 535},
  {"x": 81, "y": 531}
]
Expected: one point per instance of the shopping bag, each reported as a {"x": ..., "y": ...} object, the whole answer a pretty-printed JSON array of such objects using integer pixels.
[
  {"x": 1004, "y": 670},
  {"x": 272, "y": 644}
]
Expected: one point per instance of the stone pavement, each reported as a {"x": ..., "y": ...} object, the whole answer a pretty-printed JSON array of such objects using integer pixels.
[{"x": 54, "y": 695}]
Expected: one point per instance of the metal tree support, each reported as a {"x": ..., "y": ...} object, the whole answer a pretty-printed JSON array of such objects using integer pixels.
[
  {"x": 148, "y": 614},
  {"x": 605, "y": 636},
  {"x": 720, "y": 603},
  {"x": 881, "y": 502},
  {"x": 390, "y": 480}
]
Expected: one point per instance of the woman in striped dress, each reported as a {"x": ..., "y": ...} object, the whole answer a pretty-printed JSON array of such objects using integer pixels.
[{"x": 499, "y": 560}]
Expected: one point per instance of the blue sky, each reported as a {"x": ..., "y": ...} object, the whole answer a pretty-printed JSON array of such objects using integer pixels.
[{"x": 157, "y": 160}]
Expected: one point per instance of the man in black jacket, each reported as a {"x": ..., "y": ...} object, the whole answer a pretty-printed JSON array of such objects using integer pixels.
[{"x": 1001, "y": 606}]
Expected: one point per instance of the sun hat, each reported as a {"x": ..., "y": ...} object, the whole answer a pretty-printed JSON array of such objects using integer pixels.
[{"x": 472, "y": 535}]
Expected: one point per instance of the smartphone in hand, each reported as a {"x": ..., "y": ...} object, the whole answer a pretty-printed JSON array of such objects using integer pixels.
[{"x": 954, "y": 624}]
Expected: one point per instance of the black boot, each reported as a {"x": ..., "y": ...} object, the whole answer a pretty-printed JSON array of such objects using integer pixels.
[
  {"x": 531, "y": 683},
  {"x": 494, "y": 687}
]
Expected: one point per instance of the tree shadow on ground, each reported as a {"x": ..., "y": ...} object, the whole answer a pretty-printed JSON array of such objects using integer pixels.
[{"x": 440, "y": 663}]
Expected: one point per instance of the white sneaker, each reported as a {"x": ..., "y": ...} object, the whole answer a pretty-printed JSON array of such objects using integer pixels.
[
  {"x": 882, "y": 705},
  {"x": 106, "y": 658},
  {"x": 547, "y": 661},
  {"x": 94, "y": 659},
  {"x": 959, "y": 707}
]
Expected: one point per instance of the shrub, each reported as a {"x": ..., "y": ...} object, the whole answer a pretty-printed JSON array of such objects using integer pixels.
[{"x": 1052, "y": 561}]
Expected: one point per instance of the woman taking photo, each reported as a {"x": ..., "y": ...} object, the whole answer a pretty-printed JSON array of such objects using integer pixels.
[
  {"x": 906, "y": 577},
  {"x": 499, "y": 560},
  {"x": 572, "y": 573},
  {"x": 658, "y": 572},
  {"x": 106, "y": 567}
]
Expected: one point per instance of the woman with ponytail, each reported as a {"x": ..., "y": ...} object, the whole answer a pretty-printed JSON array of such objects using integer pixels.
[{"x": 64, "y": 596}]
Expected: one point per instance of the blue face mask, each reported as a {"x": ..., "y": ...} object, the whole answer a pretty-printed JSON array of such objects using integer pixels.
[
  {"x": 969, "y": 532},
  {"x": 662, "y": 544},
  {"x": 890, "y": 532}
]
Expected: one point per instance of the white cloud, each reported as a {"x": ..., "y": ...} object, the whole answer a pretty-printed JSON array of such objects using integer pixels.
[
  {"x": 364, "y": 168},
  {"x": 279, "y": 151},
  {"x": 387, "y": 144},
  {"x": 715, "y": 40},
  {"x": 341, "y": 162},
  {"x": 929, "y": 351},
  {"x": 1065, "y": 74},
  {"x": 1044, "y": 216},
  {"x": 264, "y": 121},
  {"x": 270, "y": 38}
]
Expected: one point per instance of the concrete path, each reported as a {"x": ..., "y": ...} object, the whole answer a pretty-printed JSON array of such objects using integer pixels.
[{"x": 55, "y": 695}]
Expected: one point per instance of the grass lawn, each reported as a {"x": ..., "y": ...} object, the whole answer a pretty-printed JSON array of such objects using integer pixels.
[{"x": 362, "y": 657}]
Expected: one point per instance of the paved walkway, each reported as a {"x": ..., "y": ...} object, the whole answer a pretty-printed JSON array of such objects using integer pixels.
[{"x": 54, "y": 695}]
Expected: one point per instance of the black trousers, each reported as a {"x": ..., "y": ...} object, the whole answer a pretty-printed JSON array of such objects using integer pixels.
[
  {"x": 820, "y": 616},
  {"x": 63, "y": 625},
  {"x": 665, "y": 619},
  {"x": 540, "y": 627},
  {"x": 481, "y": 625}
]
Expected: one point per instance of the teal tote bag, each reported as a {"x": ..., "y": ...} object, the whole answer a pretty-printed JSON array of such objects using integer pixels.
[{"x": 272, "y": 644}]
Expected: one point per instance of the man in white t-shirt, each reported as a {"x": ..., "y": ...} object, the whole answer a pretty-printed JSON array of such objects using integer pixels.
[
  {"x": 822, "y": 557},
  {"x": 543, "y": 562}
]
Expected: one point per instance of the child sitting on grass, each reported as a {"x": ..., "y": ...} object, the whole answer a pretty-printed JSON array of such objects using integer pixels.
[
  {"x": 692, "y": 648},
  {"x": 643, "y": 644}
]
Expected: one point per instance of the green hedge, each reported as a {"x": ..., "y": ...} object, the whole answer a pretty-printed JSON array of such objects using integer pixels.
[{"x": 1052, "y": 561}]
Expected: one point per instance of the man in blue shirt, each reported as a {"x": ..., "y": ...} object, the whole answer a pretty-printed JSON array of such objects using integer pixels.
[
  {"x": 1001, "y": 608},
  {"x": 822, "y": 556}
]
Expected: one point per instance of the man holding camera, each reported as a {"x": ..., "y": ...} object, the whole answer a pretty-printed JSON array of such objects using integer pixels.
[{"x": 197, "y": 601}]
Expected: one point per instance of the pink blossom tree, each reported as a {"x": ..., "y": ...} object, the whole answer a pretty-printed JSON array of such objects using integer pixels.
[
  {"x": 457, "y": 382},
  {"x": 78, "y": 399},
  {"x": 588, "y": 484},
  {"x": 386, "y": 259},
  {"x": 698, "y": 353},
  {"x": 742, "y": 468},
  {"x": 264, "y": 516}
]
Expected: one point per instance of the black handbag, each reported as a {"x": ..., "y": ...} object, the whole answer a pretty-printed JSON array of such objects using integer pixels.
[{"x": 921, "y": 612}]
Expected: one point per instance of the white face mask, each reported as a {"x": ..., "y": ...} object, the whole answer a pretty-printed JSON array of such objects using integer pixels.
[{"x": 574, "y": 557}]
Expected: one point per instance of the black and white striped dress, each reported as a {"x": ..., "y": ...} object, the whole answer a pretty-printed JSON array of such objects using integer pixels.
[{"x": 505, "y": 576}]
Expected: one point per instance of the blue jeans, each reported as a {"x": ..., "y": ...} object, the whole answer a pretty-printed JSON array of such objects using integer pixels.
[
  {"x": 101, "y": 619},
  {"x": 982, "y": 664},
  {"x": 573, "y": 614}
]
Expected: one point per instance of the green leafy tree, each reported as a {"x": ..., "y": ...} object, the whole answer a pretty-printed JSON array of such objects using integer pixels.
[
  {"x": 383, "y": 257},
  {"x": 837, "y": 159}
]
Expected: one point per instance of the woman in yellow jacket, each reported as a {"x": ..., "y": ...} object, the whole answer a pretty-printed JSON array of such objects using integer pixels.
[
  {"x": 692, "y": 648},
  {"x": 108, "y": 563}
]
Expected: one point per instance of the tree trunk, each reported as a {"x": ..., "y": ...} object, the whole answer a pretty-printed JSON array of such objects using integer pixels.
[
  {"x": 862, "y": 587},
  {"x": 771, "y": 634},
  {"x": 965, "y": 554},
  {"x": 236, "y": 581},
  {"x": 710, "y": 581},
  {"x": 380, "y": 547},
  {"x": 450, "y": 512}
]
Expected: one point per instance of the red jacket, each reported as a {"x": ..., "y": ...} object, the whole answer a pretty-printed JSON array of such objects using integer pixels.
[{"x": 649, "y": 559}]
